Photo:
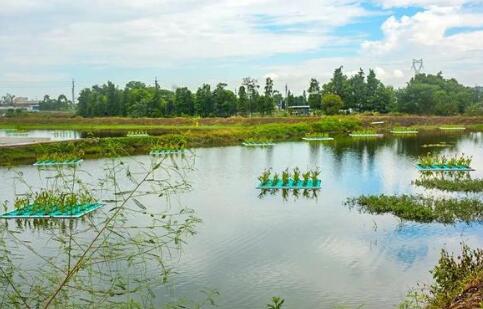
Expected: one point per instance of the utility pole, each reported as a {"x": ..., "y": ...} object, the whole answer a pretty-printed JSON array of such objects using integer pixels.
[
  {"x": 417, "y": 66},
  {"x": 73, "y": 91}
]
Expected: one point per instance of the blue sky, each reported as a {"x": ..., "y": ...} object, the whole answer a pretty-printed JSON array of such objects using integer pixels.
[{"x": 45, "y": 44}]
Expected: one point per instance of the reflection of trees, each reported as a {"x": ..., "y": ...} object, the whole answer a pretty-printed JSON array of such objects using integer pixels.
[
  {"x": 115, "y": 256},
  {"x": 405, "y": 146}
]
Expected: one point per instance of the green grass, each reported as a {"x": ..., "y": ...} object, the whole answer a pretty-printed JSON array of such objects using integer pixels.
[
  {"x": 463, "y": 185},
  {"x": 457, "y": 280},
  {"x": 197, "y": 137},
  {"x": 421, "y": 209}
]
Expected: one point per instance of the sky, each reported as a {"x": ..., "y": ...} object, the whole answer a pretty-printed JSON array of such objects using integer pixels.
[{"x": 44, "y": 44}]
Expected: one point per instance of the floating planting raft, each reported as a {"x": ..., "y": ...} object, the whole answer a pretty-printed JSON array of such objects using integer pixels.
[
  {"x": 48, "y": 163},
  {"x": 261, "y": 144},
  {"x": 291, "y": 184},
  {"x": 444, "y": 168},
  {"x": 404, "y": 131},
  {"x": 137, "y": 134},
  {"x": 366, "y": 135},
  {"x": 32, "y": 212},
  {"x": 452, "y": 128},
  {"x": 444, "y": 164},
  {"x": 323, "y": 138},
  {"x": 289, "y": 180},
  {"x": 164, "y": 152}
]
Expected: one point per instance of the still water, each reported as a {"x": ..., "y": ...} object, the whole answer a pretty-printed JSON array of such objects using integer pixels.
[{"x": 313, "y": 252}]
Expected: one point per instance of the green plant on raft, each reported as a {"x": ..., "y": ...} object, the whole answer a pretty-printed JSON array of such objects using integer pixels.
[
  {"x": 296, "y": 175},
  {"x": 306, "y": 177},
  {"x": 315, "y": 176},
  {"x": 275, "y": 178},
  {"x": 455, "y": 160},
  {"x": 277, "y": 303},
  {"x": 258, "y": 140},
  {"x": 285, "y": 177},
  {"x": 49, "y": 201},
  {"x": 265, "y": 176},
  {"x": 315, "y": 134},
  {"x": 363, "y": 132}
]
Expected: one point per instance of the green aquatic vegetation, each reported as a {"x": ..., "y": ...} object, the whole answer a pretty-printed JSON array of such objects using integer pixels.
[
  {"x": 456, "y": 160},
  {"x": 421, "y": 209},
  {"x": 462, "y": 185},
  {"x": 265, "y": 176},
  {"x": 258, "y": 140},
  {"x": 306, "y": 177},
  {"x": 285, "y": 177},
  {"x": 364, "y": 132},
  {"x": 315, "y": 175},
  {"x": 275, "y": 178},
  {"x": 137, "y": 133},
  {"x": 49, "y": 201},
  {"x": 296, "y": 175},
  {"x": 277, "y": 303},
  {"x": 316, "y": 134}
]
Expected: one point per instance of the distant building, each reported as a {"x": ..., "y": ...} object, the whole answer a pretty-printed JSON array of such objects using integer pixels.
[
  {"x": 25, "y": 104},
  {"x": 299, "y": 110}
]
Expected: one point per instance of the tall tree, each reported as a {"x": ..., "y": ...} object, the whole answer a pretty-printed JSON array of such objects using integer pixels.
[
  {"x": 204, "y": 101},
  {"x": 184, "y": 103},
  {"x": 242, "y": 101},
  {"x": 251, "y": 86},
  {"x": 315, "y": 98}
]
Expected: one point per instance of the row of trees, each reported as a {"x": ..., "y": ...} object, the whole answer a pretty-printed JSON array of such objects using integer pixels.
[
  {"x": 139, "y": 100},
  {"x": 423, "y": 94}
]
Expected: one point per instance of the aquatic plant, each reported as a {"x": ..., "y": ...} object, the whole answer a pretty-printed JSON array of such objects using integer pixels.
[
  {"x": 456, "y": 160},
  {"x": 285, "y": 177},
  {"x": 49, "y": 201},
  {"x": 61, "y": 156},
  {"x": 296, "y": 175},
  {"x": 265, "y": 176},
  {"x": 463, "y": 185},
  {"x": 137, "y": 133},
  {"x": 364, "y": 132},
  {"x": 275, "y": 178},
  {"x": 421, "y": 209},
  {"x": 315, "y": 176},
  {"x": 277, "y": 303},
  {"x": 306, "y": 177}
]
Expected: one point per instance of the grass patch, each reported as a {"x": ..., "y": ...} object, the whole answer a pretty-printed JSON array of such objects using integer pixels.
[
  {"x": 458, "y": 282},
  {"x": 421, "y": 209}
]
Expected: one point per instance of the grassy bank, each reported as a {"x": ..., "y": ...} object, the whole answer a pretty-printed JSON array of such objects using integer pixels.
[
  {"x": 421, "y": 209},
  {"x": 71, "y": 122},
  {"x": 194, "y": 137},
  {"x": 458, "y": 283}
]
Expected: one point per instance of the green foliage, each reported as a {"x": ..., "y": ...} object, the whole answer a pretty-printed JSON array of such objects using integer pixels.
[
  {"x": 433, "y": 94},
  {"x": 277, "y": 303},
  {"x": 456, "y": 160},
  {"x": 49, "y": 201},
  {"x": 421, "y": 209},
  {"x": 331, "y": 104},
  {"x": 265, "y": 176},
  {"x": 453, "y": 184},
  {"x": 59, "y": 104}
]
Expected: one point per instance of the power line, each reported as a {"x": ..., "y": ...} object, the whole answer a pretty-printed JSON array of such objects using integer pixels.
[{"x": 417, "y": 66}]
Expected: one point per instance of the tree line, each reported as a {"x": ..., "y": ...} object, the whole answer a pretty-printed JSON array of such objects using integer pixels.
[{"x": 424, "y": 94}]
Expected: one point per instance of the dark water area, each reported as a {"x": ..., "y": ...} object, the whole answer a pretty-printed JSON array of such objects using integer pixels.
[{"x": 313, "y": 252}]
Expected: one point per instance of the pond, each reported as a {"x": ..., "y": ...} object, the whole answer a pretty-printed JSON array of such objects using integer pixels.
[{"x": 313, "y": 252}]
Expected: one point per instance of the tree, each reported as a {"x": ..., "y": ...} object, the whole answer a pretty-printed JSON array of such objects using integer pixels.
[
  {"x": 337, "y": 85},
  {"x": 251, "y": 86},
  {"x": 224, "y": 100},
  {"x": 331, "y": 103},
  {"x": 204, "y": 101},
  {"x": 315, "y": 98},
  {"x": 184, "y": 102},
  {"x": 357, "y": 96},
  {"x": 8, "y": 99},
  {"x": 267, "y": 105},
  {"x": 242, "y": 101}
]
